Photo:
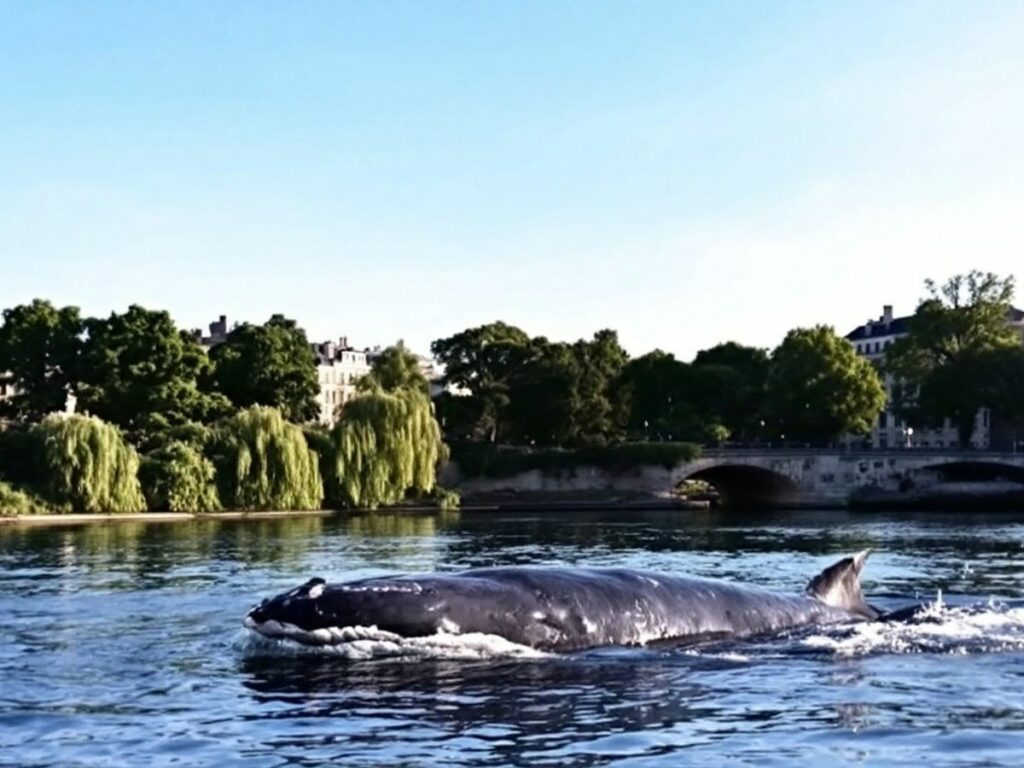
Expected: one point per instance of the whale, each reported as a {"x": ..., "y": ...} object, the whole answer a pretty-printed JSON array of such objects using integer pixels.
[{"x": 558, "y": 609}]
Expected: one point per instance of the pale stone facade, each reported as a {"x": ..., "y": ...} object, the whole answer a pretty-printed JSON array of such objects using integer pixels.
[{"x": 339, "y": 368}]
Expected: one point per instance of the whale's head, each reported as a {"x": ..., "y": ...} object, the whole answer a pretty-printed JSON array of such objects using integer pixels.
[{"x": 298, "y": 614}]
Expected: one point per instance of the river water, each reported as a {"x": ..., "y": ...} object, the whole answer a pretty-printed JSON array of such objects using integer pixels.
[{"x": 121, "y": 644}]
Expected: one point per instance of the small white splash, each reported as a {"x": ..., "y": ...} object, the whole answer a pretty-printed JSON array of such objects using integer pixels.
[
  {"x": 367, "y": 643},
  {"x": 730, "y": 656},
  {"x": 937, "y": 628},
  {"x": 449, "y": 627}
]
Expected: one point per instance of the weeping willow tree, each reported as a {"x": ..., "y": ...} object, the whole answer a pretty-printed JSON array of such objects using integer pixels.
[
  {"x": 178, "y": 478},
  {"x": 387, "y": 444},
  {"x": 265, "y": 463},
  {"x": 88, "y": 466}
]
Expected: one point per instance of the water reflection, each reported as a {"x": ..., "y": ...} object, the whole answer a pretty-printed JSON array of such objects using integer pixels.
[{"x": 540, "y": 710}]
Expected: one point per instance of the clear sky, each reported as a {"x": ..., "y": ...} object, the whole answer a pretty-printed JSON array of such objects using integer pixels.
[{"x": 683, "y": 172}]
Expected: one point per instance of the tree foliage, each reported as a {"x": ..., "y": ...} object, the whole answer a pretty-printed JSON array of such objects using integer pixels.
[
  {"x": 140, "y": 372},
  {"x": 731, "y": 383},
  {"x": 88, "y": 465},
  {"x": 818, "y": 388},
  {"x": 663, "y": 400},
  {"x": 388, "y": 444},
  {"x": 957, "y": 337},
  {"x": 265, "y": 463},
  {"x": 270, "y": 364},
  {"x": 531, "y": 390},
  {"x": 395, "y": 368},
  {"x": 599, "y": 363},
  {"x": 39, "y": 349},
  {"x": 178, "y": 478},
  {"x": 15, "y": 501},
  {"x": 480, "y": 361}
]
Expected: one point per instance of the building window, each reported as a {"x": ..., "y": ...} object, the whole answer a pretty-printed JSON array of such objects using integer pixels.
[{"x": 883, "y": 420}]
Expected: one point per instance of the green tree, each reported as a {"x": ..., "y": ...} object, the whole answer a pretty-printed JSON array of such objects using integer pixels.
[
  {"x": 941, "y": 366},
  {"x": 395, "y": 368},
  {"x": 731, "y": 381},
  {"x": 270, "y": 364},
  {"x": 39, "y": 348},
  {"x": 657, "y": 394},
  {"x": 88, "y": 465},
  {"x": 480, "y": 361},
  {"x": 264, "y": 463},
  {"x": 178, "y": 478},
  {"x": 387, "y": 444},
  {"x": 819, "y": 388},
  {"x": 543, "y": 396},
  {"x": 562, "y": 394},
  {"x": 140, "y": 372},
  {"x": 600, "y": 362}
]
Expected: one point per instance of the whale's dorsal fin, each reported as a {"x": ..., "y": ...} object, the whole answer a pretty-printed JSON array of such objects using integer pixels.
[{"x": 839, "y": 586}]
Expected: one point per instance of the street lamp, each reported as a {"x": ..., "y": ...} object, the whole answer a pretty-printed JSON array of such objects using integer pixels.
[{"x": 910, "y": 436}]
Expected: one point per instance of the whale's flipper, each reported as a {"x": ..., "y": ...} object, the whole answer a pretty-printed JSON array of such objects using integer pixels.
[{"x": 839, "y": 586}]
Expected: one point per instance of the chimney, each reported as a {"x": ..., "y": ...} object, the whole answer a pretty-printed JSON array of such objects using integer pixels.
[{"x": 887, "y": 314}]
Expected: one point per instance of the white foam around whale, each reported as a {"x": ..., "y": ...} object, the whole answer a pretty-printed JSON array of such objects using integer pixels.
[
  {"x": 367, "y": 643},
  {"x": 939, "y": 629}
]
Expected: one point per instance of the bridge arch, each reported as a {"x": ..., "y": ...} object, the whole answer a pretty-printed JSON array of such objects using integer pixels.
[{"x": 746, "y": 485}]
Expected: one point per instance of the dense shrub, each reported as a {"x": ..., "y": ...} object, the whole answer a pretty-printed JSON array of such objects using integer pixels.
[
  {"x": 21, "y": 457},
  {"x": 263, "y": 463},
  {"x": 88, "y": 466},
  {"x": 178, "y": 478},
  {"x": 446, "y": 498},
  {"x": 489, "y": 460},
  {"x": 17, "y": 502}
]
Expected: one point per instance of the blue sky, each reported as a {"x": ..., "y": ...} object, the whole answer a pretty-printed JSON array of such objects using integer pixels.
[{"x": 685, "y": 173}]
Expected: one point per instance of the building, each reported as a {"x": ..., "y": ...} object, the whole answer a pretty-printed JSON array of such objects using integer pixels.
[
  {"x": 339, "y": 367},
  {"x": 218, "y": 333},
  {"x": 871, "y": 340}
]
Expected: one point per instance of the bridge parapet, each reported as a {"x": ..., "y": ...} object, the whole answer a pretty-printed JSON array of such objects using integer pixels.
[{"x": 833, "y": 477}]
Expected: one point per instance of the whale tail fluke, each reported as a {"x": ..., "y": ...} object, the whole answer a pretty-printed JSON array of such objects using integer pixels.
[{"x": 839, "y": 586}]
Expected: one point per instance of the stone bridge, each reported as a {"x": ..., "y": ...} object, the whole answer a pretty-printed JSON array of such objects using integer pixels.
[{"x": 795, "y": 478}]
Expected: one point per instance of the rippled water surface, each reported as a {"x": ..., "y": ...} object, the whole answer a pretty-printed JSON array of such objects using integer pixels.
[{"x": 122, "y": 645}]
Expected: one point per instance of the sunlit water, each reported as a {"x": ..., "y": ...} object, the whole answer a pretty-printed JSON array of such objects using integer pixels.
[{"x": 122, "y": 645}]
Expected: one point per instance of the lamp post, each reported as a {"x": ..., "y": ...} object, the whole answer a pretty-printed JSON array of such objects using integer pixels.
[{"x": 910, "y": 437}]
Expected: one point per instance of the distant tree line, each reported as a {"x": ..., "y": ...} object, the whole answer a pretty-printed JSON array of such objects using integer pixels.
[
  {"x": 169, "y": 426},
  {"x": 507, "y": 387}
]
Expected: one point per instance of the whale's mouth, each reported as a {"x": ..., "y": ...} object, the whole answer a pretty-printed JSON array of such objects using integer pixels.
[
  {"x": 321, "y": 636},
  {"x": 276, "y": 638}
]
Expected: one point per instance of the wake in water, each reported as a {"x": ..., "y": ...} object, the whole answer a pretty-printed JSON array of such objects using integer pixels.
[{"x": 936, "y": 628}]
